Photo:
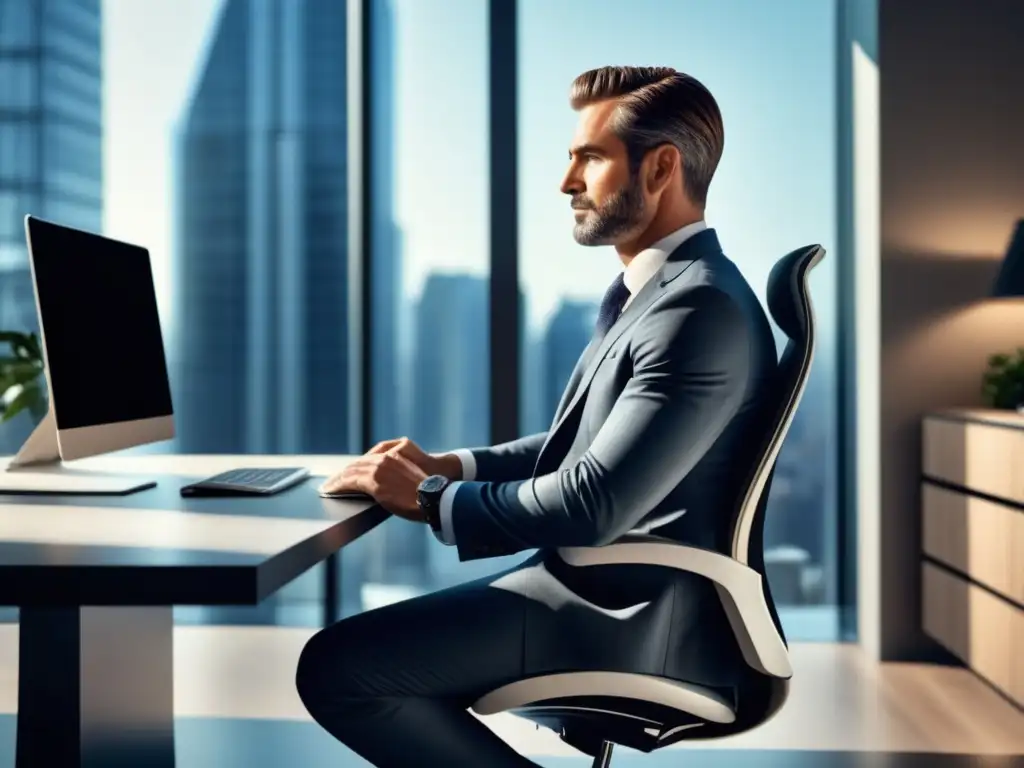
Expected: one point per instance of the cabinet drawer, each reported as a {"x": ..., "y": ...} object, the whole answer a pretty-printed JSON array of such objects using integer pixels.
[
  {"x": 1017, "y": 670},
  {"x": 973, "y": 535},
  {"x": 1017, "y": 564},
  {"x": 945, "y": 608},
  {"x": 983, "y": 457},
  {"x": 978, "y": 627},
  {"x": 991, "y": 623}
]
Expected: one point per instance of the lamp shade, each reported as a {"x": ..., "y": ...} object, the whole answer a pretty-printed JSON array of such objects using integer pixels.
[{"x": 1010, "y": 280}]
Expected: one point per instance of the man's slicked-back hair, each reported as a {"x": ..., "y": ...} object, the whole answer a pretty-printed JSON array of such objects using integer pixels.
[{"x": 658, "y": 105}]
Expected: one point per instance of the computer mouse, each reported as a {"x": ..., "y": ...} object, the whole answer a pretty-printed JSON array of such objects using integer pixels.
[{"x": 348, "y": 495}]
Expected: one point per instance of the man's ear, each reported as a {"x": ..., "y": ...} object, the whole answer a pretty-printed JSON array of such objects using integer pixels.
[{"x": 662, "y": 164}]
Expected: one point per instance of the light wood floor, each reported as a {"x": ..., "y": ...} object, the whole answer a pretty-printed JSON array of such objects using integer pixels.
[{"x": 839, "y": 700}]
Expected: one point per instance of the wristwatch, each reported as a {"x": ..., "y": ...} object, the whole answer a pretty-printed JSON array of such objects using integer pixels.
[{"x": 428, "y": 496}]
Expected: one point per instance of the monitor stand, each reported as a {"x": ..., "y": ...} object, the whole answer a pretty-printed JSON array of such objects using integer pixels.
[{"x": 37, "y": 469}]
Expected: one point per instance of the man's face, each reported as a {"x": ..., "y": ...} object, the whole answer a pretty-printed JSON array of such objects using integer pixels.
[{"x": 607, "y": 201}]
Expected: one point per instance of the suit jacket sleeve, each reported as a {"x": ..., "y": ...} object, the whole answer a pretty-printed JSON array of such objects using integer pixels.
[
  {"x": 691, "y": 362},
  {"x": 513, "y": 460}
]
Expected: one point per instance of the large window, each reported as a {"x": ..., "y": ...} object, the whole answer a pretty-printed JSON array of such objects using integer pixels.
[
  {"x": 19, "y": 78},
  {"x": 771, "y": 66},
  {"x": 216, "y": 133},
  {"x": 429, "y": 221},
  {"x": 17, "y": 25},
  {"x": 224, "y": 130}
]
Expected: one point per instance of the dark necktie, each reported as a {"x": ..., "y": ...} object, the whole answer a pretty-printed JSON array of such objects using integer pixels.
[{"x": 611, "y": 305}]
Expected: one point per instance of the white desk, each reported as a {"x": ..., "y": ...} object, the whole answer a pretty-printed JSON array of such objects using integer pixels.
[{"x": 96, "y": 579}]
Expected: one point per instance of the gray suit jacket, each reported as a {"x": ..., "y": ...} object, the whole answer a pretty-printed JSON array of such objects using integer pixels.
[
  {"x": 649, "y": 426},
  {"x": 654, "y": 431}
]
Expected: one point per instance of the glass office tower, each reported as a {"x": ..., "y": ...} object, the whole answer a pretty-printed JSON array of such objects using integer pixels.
[
  {"x": 51, "y": 149},
  {"x": 261, "y": 279},
  {"x": 450, "y": 402},
  {"x": 566, "y": 336}
]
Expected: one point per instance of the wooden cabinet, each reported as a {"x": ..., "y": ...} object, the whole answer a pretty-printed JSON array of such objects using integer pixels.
[
  {"x": 979, "y": 450},
  {"x": 972, "y": 525}
]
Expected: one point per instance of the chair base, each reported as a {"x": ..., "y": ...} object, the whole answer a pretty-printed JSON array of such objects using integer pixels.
[{"x": 603, "y": 758}]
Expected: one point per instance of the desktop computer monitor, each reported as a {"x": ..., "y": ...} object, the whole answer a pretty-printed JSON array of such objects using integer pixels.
[
  {"x": 103, "y": 350},
  {"x": 106, "y": 371},
  {"x": 102, "y": 345}
]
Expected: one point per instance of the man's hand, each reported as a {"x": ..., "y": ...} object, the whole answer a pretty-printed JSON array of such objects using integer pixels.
[
  {"x": 447, "y": 464},
  {"x": 389, "y": 477}
]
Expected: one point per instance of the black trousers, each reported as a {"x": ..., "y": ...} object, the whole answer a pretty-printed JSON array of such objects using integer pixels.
[{"x": 394, "y": 684}]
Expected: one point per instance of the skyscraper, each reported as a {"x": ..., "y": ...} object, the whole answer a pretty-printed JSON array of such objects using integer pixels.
[
  {"x": 447, "y": 385},
  {"x": 261, "y": 278},
  {"x": 450, "y": 397},
  {"x": 567, "y": 335},
  {"x": 51, "y": 141}
]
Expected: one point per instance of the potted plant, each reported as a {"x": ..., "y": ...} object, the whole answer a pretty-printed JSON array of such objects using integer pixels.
[
  {"x": 22, "y": 387},
  {"x": 1003, "y": 382}
]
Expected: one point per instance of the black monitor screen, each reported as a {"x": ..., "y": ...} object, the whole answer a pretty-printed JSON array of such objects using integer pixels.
[{"x": 101, "y": 327}]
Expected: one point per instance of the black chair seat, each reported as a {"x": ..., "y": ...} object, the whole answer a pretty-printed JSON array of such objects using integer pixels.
[
  {"x": 637, "y": 711},
  {"x": 585, "y": 722}
]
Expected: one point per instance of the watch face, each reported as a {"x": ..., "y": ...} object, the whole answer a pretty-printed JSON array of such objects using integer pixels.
[{"x": 433, "y": 484}]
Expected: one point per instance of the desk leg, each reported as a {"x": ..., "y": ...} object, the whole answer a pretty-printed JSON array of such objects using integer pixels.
[
  {"x": 332, "y": 592},
  {"x": 96, "y": 688}
]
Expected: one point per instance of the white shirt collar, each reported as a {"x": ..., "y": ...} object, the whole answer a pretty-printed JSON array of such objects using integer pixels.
[{"x": 646, "y": 263}]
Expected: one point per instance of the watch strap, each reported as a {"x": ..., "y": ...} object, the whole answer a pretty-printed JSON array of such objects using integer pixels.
[{"x": 430, "y": 504}]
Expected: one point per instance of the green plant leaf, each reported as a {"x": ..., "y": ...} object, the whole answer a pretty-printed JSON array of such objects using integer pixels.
[
  {"x": 1002, "y": 384},
  {"x": 21, "y": 370},
  {"x": 24, "y": 346},
  {"x": 31, "y": 397},
  {"x": 37, "y": 352},
  {"x": 18, "y": 373}
]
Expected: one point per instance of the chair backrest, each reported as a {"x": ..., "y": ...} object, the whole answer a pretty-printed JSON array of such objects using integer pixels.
[{"x": 789, "y": 302}]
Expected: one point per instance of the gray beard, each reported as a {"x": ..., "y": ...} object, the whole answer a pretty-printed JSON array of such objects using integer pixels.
[{"x": 617, "y": 217}]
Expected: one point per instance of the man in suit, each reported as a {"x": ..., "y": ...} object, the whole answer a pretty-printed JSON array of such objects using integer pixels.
[{"x": 653, "y": 433}]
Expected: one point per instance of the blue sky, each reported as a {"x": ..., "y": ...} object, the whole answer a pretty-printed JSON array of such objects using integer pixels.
[{"x": 769, "y": 64}]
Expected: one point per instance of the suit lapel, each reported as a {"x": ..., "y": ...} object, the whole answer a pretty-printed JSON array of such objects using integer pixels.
[
  {"x": 573, "y": 383},
  {"x": 702, "y": 244},
  {"x": 574, "y": 379}
]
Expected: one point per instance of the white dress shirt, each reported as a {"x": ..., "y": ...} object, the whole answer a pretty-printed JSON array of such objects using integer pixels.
[{"x": 637, "y": 273}]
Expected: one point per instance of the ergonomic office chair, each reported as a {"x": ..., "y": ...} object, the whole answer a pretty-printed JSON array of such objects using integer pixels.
[{"x": 594, "y": 710}]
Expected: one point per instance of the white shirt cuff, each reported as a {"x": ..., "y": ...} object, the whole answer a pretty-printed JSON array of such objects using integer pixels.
[
  {"x": 468, "y": 463},
  {"x": 447, "y": 534}
]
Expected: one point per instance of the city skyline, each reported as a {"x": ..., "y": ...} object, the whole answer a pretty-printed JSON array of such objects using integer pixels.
[{"x": 143, "y": 103}]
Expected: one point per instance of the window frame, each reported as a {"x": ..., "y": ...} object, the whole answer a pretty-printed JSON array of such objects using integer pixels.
[{"x": 505, "y": 306}]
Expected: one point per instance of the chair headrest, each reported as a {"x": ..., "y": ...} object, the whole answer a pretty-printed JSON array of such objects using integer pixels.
[{"x": 787, "y": 290}]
